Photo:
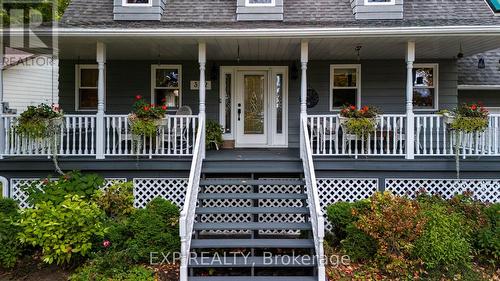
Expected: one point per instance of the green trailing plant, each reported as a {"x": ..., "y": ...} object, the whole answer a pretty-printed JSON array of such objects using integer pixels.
[
  {"x": 39, "y": 121},
  {"x": 359, "y": 122},
  {"x": 145, "y": 117},
  {"x": 117, "y": 201},
  {"x": 213, "y": 134},
  {"x": 55, "y": 191},
  {"x": 11, "y": 249},
  {"x": 154, "y": 229},
  {"x": 63, "y": 231}
]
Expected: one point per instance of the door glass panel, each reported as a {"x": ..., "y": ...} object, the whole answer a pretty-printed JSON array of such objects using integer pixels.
[
  {"x": 227, "y": 126},
  {"x": 279, "y": 103},
  {"x": 254, "y": 104}
]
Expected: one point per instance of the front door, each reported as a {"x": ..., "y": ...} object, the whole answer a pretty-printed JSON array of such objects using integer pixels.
[{"x": 252, "y": 108}]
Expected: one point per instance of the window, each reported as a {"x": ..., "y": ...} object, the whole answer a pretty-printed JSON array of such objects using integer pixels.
[
  {"x": 86, "y": 87},
  {"x": 345, "y": 85},
  {"x": 166, "y": 85},
  {"x": 425, "y": 86},
  {"x": 137, "y": 2},
  {"x": 257, "y": 3},
  {"x": 494, "y": 5},
  {"x": 380, "y": 2},
  {"x": 279, "y": 103}
]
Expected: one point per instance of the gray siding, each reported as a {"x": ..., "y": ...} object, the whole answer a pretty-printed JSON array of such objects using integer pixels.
[
  {"x": 383, "y": 85},
  {"x": 377, "y": 12}
]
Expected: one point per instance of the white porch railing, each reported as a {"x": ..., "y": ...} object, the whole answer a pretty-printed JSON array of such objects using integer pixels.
[
  {"x": 75, "y": 138},
  {"x": 176, "y": 136},
  {"x": 316, "y": 213},
  {"x": 328, "y": 138},
  {"x": 78, "y": 137},
  {"x": 186, "y": 220},
  {"x": 433, "y": 137}
]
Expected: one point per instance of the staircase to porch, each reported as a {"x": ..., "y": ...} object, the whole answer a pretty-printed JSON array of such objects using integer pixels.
[{"x": 252, "y": 226}]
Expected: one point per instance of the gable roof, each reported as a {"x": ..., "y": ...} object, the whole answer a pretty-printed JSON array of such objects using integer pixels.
[
  {"x": 469, "y": 74},
  {"x": 297, "y": 13}
]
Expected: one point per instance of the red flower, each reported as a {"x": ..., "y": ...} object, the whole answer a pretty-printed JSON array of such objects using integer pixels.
[
  {"x": 164, "y": 107},
  {"x": 138, "y": 97},
  {"x": 352, "y": 107},
  {"x": 473, "y": 107},
  {"x": 146, "y": 108},
  {"x": 163, "y": 99},
  {"x": 365, "y": 108},
  {"x": 106, "y": 243}
]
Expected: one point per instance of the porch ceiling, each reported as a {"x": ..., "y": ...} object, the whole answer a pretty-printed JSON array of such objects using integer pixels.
[{"x": 275, "y": 49}]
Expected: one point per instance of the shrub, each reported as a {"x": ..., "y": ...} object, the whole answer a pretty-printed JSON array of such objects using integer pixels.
[
  {"x": 444, "y": 240},
  {"x": 154, "y": 229},
  {"x": 358, "y": 245},
  {"x": 395, "y": 223},
  {"x": 213, "y": 136},
  {"x": 11, "y": 248},
  {"x": 56, "y": 191},
  {"x": 117, "y": 201},
  {"x": 342, "y": 214},
  {"x": 488, "y": 238},
  {"x": 64, "y": 230}
]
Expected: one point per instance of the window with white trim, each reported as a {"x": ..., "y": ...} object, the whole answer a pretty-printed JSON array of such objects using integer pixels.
[
  {"x": 137, "y": 3},
  {"x": 259, "y": 3},
  {"x": 86, "y": 79},
  {"x": 345, "y": 85},
  {"x": 166, "y": 85},
  {"x": 380, "y": 2},
  {"x": 425, "y": 86}
]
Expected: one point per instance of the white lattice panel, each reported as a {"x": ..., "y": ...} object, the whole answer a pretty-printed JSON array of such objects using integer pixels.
[
  {"x": 332, "y": 190},
  {"x": 280, "y": 203},
  {"x": 21, "y": 197},
  {"x": 487, "y": 191},
  {"x": 147, "y": 189},
  {"x": 221, "y": 203}
]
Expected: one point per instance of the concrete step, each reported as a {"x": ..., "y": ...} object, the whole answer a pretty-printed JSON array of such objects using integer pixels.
[
  {"x": 253, "y": 226},
  {"x": 252, "y": 196},
  {"x": 206, "y": 182},
  {"x": 252, "y": 243},
  {"x": 253, "y": 210},
  {"x": 240, "y": 261}
]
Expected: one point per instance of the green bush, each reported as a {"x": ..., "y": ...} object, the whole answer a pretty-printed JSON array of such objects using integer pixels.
[
  {"x": 11, "y": 248},
  {"x": 56, "y": 191},
  {"x": 444, "y": 241},
  {"x": 154, "y": 229},
  {"x": 117, "y": 201},
  {"x": 342, "y": 214},
  {"x": 488, "y": 238},
  {"x": 358, "y": 245},
  {"x": 213, "y": 134},
  {"x": 64, "y": 230}
]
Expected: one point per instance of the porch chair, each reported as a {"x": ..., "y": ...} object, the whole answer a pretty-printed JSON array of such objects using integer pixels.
[
  {"x": 321, "y": 133},
  {"x": 180, "y": 132}
]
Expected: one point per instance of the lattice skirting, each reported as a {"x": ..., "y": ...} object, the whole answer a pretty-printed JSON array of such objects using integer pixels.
[
  {"x": 487, "y": 191},
  {"x": 145, "y": 189}
]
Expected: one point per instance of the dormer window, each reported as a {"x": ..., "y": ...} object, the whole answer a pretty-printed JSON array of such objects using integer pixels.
[
  {"x": 137, "y": 3},
  {"x": 380, "y": 2},
  {"x": 260, "y": 3}
]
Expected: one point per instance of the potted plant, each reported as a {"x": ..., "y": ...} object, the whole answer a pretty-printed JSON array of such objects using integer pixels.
[
  {"x": 213, "y": 133},
  {"x": 145, "y": 117},
  {"x": 40, "y": 121},
  {"x": 360, "y": 122}
]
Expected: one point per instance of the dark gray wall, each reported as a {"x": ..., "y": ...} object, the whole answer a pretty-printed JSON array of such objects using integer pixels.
[
  {"x": 490, "y": 98},
  {"x": 383, "y": 85}
]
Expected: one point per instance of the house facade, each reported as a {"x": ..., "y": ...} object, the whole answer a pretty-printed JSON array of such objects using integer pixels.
[{"x": 274, "y": 74}]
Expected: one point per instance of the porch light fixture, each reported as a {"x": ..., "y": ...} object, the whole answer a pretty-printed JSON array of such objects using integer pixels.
[
  {"x": 460, "y": 53},
  {"x": 481, "y": 64},
  {"x": 358, "y": 51}
]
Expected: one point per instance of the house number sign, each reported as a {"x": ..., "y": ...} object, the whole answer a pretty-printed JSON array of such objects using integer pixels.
[{"x": 195, "y": 85}]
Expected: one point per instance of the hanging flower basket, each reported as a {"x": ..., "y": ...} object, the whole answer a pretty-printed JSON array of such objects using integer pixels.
[
  {"x": 146, "y": 118},
  {"x": 467, "y": 118},
  {"x": 359, "y": 122},
  {"x": 39, "y": 122}
]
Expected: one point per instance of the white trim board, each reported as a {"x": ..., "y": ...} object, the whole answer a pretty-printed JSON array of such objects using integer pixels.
[{"x": 479, "y": 87}]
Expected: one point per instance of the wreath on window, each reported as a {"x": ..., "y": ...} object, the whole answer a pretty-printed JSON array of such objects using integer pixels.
[{"x": 312, "y": 98}]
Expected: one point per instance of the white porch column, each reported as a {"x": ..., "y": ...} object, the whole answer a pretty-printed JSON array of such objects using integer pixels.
[
  {"x": 100, "y": 134},
  {"x": 2, "y": 125},
  {"x": 202, "y": 59},
  {"x": 410, "y": 122},
  {"x": 304, "y": 58}
]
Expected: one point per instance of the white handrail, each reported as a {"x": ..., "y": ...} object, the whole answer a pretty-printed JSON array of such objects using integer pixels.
[
  {"x": 317, "y": 218},
  {"x": 187, "y": 216}
]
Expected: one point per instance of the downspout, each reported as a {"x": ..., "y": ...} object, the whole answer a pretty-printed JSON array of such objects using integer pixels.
[{"x": 5, "y": 187}]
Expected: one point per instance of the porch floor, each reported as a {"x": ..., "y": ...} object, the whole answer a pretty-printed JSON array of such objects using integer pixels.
[{"x": 254, "y": 154}]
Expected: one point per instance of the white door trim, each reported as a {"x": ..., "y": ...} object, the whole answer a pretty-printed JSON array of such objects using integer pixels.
[{"x": 274, "y": 139}]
